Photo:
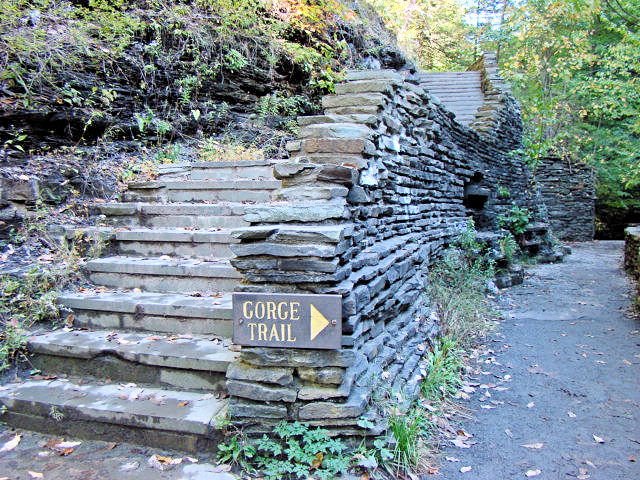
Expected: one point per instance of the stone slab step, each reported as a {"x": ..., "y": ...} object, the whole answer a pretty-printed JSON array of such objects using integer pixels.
[
  {"x": 174, "y": 241},
  {"x": 205, "y": 185},
  {"x": 173, "y": 215},
  {"x": 155, "y": 417},
  {"x": 164, "y": 274},
  {"x": 227, "y": 170},
  {"x": 201, "y": 191},
  {"x": 178, "y": 361},
  {"x": 151, "y": 312}
]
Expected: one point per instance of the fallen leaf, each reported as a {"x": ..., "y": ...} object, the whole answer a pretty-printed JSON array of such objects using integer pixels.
[
  {"x": 598, "y": 439},
  {"x": 183, "y": 404},
  {"x": 163, "y": 463},
  {"x": 465, "y": 469},
  {"x": 532, "y": 473},
  {"x": 67, "y": 445},
  {"x": 35, "y": 474},
  {"x": 127, "y": 467},
  {"x": 535, "y": 446},
  {"x": 11, "y": 444},
  {"x": 632, "y": 458},
  {"x": 460, "y": 442},
  {"x": 508, "y": 433},
  {"x": 571, "y": 414},
  {"x": 583, "y": 474},
  {"x": 452, "y": 459},
  {"x": 317, "y": 460}
]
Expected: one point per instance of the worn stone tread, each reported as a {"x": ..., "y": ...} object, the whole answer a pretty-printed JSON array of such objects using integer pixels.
[
  {"x": 174, "y": 208},
  {"x": 179, "y": 267},
  {"x": 132, "y": 406},
  {"x": 174, "y": 235},
  {"x": 187, "y": 352},
  {"x": 207, "y": 185},
  {"x": 150, "y": 303}
]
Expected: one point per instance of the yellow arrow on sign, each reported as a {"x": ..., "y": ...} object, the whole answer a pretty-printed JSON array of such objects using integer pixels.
[{"x": 318, "y": 322}]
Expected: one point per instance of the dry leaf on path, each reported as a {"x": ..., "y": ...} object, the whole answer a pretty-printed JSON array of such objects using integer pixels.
[
  {"x": 598, "y": 439},
  {"x": 465, "y": 469},
  {"x": 460, "y": 442},
  {"x": 532, "y": 473},
  {"x": 11, "y": 444},
  {"x": 535, "y": 446},
  {"x": 570, "y": 414},
  {"x": 452, "y": 459},
  {"x": 35, "y": 474},
  {"x": 163, "y": 463}
]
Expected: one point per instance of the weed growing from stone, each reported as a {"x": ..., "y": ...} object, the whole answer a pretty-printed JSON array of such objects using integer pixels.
[
  {"x": 408, "y": 430},
  {"x": 444, "y": 371},
  {"x": 457, "y": 285}
]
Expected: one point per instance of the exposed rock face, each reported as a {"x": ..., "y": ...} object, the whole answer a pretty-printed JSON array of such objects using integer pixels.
[
  {"x": 569, "y": 192},
  {"x": 394, "y": 176}
]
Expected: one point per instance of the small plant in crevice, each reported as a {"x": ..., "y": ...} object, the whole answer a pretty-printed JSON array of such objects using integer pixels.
[
  {"x": 508, "y": 247},
  {"x": 503, "y": 192},
  {"x": 516, "y": 220},
  {"x": 444, "y": 366}
]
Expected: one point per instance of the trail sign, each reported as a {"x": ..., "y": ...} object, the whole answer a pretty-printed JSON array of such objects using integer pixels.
[{"x": 287, "y": 320}]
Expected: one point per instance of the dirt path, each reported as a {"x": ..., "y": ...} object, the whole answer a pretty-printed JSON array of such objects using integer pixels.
[{"x": 566, "y": 364}]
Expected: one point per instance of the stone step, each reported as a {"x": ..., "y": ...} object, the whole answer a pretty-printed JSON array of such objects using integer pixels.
[
  {"x": 226, "y": 170},
  {"x": 164, "y": 274},
  {"x": 150, "y": 312},
  {"x": 453, "y": 97},
  {"x": 182, "y": 362},
  {"x": 455, "y": 76},
  {"x": 201, "y": 191},
  {"x": 169, "y": 215},
  {"x": 159, "y": 418},
  {"x": 174, "y": 242}
]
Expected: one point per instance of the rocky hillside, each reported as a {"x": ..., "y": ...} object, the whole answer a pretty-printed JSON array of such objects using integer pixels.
[
  {"x": 94, "y": 92},
  {"x": 77, "y": 71}
]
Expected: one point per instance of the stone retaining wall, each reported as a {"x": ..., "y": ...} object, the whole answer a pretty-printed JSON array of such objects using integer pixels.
[
  {"x": 569, "y": 192},
  {"x": 632, "y": 256},
  {"x": 374, "y": 190}
]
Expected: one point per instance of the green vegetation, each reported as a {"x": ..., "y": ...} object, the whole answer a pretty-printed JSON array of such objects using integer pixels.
[
  {"x": 444, "y": 369},
  {"x": 293, "y": 451},
  {"x": 457, "y": 289},
  {"x": 31, "y": 298},
  {"x": 573, "y": 65},
  {"x": 516, "y": 221}
]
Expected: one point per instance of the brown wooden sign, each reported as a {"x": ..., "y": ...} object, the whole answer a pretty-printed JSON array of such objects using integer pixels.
[{"x": 287, "y": 320}]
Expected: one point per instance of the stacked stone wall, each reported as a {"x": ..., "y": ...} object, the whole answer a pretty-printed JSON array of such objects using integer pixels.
[
  {"x": 632, "y": 257},
  {"x": 569, "y": 193},
  {"x": 374, "y": 190}
]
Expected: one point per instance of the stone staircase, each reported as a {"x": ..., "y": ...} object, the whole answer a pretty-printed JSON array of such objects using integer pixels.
[
  {"x": 460, "y": 92},
  {"x": 146, "y": 358}
]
